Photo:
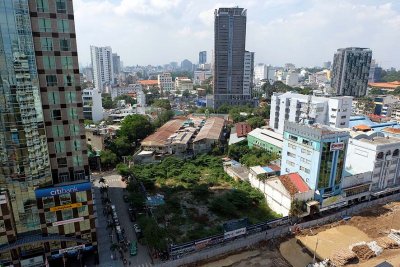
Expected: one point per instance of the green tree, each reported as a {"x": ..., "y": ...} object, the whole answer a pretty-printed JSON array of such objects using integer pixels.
[
  {"x": 162, "y": 103},
  {"x": 186, "y": 93},
  {"x": 107, "y": 101},
  {"x": 163, "y": 117},
  {"x": 127, "y": 98},
  {"x": 297, "y": 207},
  {"x": 236, "y": 151},
  {"x": 154, "y": 234},
  {"x": 268, "y": 89},
  {"x": 256, "y": 122},
  {"x": 390, "y": 76},
  {"x": 121, "y": 146},
  {"x": 366, "y": 105},
  {"x": 108, "y": 158},
  {"x": 135, "y": 127}
]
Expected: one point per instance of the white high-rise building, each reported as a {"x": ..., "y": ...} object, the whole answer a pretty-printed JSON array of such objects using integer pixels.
[
  {"x": 260, "y": 72},
  {"x": 292, "y": 79},
  {"x": 102, "y": 63},
  {"x": 334, "y": 111},
  {"x": 248, "y": 72}
]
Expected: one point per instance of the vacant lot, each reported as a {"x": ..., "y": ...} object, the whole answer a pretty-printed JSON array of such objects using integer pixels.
[{"x": 199, "y": 197}]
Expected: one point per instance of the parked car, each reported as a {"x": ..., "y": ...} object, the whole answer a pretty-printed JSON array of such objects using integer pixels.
[
  {"x": 138, "y": 231},
  {"x": 133, "y": 248}
]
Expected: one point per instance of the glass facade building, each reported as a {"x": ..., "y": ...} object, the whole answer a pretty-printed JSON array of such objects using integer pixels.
[{"x": 46, "y": 204}]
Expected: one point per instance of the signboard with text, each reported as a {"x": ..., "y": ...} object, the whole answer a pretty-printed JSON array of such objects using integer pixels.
[
  {"x": 61, "y": 251},
  {"x": 67, "y": 189},
  {"x": 66, "y": 207},
  {"x": 68, "y": 221},
  {"x": 234, "y": 233},
  {"x": 337, "y": 146}
]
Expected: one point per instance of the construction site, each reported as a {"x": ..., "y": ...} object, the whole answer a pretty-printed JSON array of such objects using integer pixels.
[{"x": 366, "y": 239}]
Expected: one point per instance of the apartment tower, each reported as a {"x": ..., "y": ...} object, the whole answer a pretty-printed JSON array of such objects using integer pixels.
[
  {"x": 45, "y": 193},
  {"x": 102, "y": 64},
  {"x": 350, "y": 71}
]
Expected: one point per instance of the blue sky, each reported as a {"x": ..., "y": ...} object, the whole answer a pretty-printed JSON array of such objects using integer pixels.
[{"x": 303, "y": 32}]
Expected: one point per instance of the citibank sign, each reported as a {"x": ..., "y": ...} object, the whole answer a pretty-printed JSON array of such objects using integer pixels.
[{"x": 68, "y": 189}]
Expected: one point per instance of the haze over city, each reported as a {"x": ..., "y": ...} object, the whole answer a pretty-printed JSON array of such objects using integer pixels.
[{"x": 305, "y": 33}]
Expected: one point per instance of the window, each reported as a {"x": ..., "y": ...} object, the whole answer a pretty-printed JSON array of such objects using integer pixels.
[
  {"x": 395, "y": 153},
  {"x": 78, "y": 161},
  {"x": 63, "y": 177},
  {"x": 293, "y": 138},
  {"x": 68, "y": 80},
  {"x": 290, "y": 163},
  {"x": 81, "y": 196},
  {"x": 304, "y": 169},
  {"x": 83, "y": 211},
  {"x": 61, "y": 6},
  {"x": 51, "y": 80},
  {"x": 50, "y": 217},
  {"x": 70, "y": 97},
  {"x": 74, "y": 129},
  {"x": 292, "y": 146},
  {"x": 343, "y": 117},
  {"x": 58, "y": 130},
  {"x": 49, "y": 62},
  {"x": 76, "y": 145},
  {"x": 65, "y": 45},
  {"x": 62, "y": 162},
  {"x": 44, "y": 25},
  {"x": 56, "y": 114},
  {"x": 54, "y": 98},
  {"x": 63, "y": 25},
  {"x": 65, "y": 199},
  {"x": 306, "y": 142},
  {"x": 66, "y": 63},
  {"x": 47, "y": 43},
  {"x": 42, "y": 6},
  {"x": 290, "y": 154},
  {"x": 84, "y": 225},
  {"x": 48, "y": 202},
  {"x": 59, "y": 146},
  {"x": 67, "y": 214},
  {"x": 73, "y": 115}
]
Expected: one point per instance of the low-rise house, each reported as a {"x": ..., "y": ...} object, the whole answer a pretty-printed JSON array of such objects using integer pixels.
[
  {"x": 239, "y": 132},
  {"x": 209, "y": 135},
  {"x": 236, "y": 170},
  {"x": 283, "y": 191}
]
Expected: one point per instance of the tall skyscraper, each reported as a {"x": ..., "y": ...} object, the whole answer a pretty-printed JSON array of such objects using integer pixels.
[
  {"x": 202, "y": 57},
  {"x": 229, "y": 57},
  {"x": 375, "y": 72},
  {"x": 45, "y": 197},
  {"x": 116, "y": 59},
  {"x": 102, "y": 64},
  {"x": 350, "y": 71}
]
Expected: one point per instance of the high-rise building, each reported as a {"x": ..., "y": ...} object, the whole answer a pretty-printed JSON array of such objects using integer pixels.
[
  {"x": 334, "y": 111},
  {"x": 46, "y": 199},
  {"x": 350, "y": 71},
  {"x": 202, "y": 57},
  {"x": 248, "y": 72},
  {"x": 317, "y": 152},
  {"x": 260, "y": 72},
  {"x": 116, "y": 63},
  {"x": 229, "y": 57},
  {"x": 102, "y": 64},
  {"x": 165, "y": 82},
  {"x": 92, "y": 104},
  {"x": 375, "y": 72}
]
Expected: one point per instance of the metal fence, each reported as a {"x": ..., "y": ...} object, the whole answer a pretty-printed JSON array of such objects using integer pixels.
[{"x": 279, "y": 231}]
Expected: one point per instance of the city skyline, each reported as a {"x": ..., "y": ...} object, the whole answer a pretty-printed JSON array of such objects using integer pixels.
[{"x": 276, "y": 31}]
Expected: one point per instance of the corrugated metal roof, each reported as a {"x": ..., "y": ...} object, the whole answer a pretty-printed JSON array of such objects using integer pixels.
[
  {"x": 159, "y": 138},
  {"x": 211, "y": 130}
]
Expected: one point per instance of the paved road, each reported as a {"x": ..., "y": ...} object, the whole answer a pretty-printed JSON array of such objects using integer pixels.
[{"x": 115, "y": 192}]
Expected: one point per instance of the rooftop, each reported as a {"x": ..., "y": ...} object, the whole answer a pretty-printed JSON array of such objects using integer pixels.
[
  {"x": 148, "y": 82},
  {"x": 160, "y": 137},
  {"x": 387, "y": 85},
  {"x": 381, "y": 140},
  {"x": 242, "y": 129},
  {"x": 294, "y": 183},
  {"x": 211, "y": 130}
]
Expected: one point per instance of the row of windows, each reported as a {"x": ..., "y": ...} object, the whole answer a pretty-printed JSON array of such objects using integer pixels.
[
  {"x": 59, "y": 146},
  {"x": 43, "y": 6},
  {"x": 49, "y": 62},
  {"x": 68, "y": 80},
  {"x": 54, "y": 97},
  {"x": 70, "y": 228},
  {"x": 77, "y": 161},
  {"x": 56, "y": 114},
  {"x": 45, "y": 25},
  {"x": 58, "y": 130},
  {"x": 51, "y": 217},
  {"x": 304, "y": 169},
  {"x": 47, "y": 44}
]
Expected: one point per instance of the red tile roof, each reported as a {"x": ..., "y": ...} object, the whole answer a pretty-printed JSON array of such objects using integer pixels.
[
  {"x": 274, "y": 167},
  {"x": 148, "y": 82},
  {"x": 242, "y": 129},
  {"x": 294, "y": 183},
  {"x": 385, "y": 85}
]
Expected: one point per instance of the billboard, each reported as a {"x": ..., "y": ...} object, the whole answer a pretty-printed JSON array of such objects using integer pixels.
[
  {"x": 66, "y": 207},
  {"x": 68, "y": 221},
  {"x": 60, "y": 190},
  {"x": 237, "y": 232},
  {"x": 337, "y": 146}
]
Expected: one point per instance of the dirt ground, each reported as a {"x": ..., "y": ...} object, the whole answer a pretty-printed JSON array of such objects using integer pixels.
[{"x": 366, "y": 226}]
